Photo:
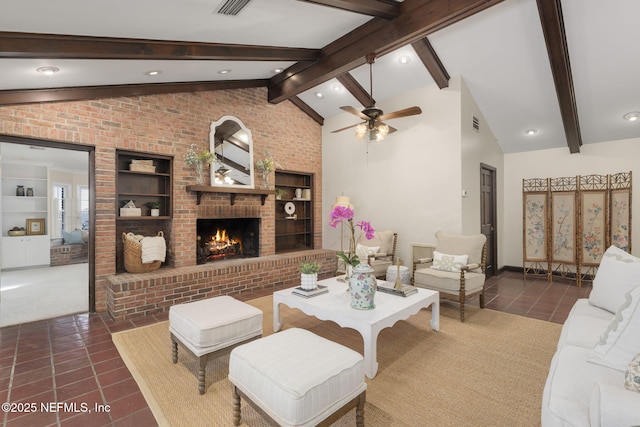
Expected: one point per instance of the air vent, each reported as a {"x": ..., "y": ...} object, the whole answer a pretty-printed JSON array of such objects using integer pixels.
[
  {"x": 476, "y": 123},
  {"x": 231, "y": 7}
]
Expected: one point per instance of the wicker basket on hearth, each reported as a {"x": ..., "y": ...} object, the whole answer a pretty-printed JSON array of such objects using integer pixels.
[{"x": 133, "y": 255}]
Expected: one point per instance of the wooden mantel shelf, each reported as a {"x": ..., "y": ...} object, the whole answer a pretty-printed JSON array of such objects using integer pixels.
[{"x": 232, "y": 191}]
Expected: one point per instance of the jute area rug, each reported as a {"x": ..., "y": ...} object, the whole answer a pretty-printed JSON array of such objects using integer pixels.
[{"x": 488, "y": 371}]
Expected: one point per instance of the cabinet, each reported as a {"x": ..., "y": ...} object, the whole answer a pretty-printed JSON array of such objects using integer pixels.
[
  {"x": 25, "y": 251},
  {"x": 143, "y": 186},
  {"x": 17, "y": 209},
  {"x": 294, "y": 227}
]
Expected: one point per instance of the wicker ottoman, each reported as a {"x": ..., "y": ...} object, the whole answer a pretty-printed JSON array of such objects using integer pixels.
[
  {"x": 296, "y": 378},
  {"x": 211, "y": 328}
]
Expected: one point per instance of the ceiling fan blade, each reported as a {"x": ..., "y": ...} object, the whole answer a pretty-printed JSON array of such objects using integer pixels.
[
  {"x": 345, "y": 128},
  {"x": 355, "y": 112},
  {"x": 411, "y": 111}
]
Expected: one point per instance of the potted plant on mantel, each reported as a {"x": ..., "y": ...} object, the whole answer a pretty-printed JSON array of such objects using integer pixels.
[
  {"x": 154, "y": 207},
  {"x": 309, "y": 275}
]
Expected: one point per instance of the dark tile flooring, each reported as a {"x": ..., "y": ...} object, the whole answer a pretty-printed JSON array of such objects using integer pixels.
[{"x": 67, "y": 372}]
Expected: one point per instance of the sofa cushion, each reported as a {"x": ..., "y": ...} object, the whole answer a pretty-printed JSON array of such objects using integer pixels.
[
  {"x": 447, "y": 281},
  {"x": 613, "y": 406},
  {"x": 446, "y": 262},
  {"x": 632, "y": 377},
  {"x": 73, "y": 237},
  {"x": 567, "y": 392},
  {"x": 382, "y": 239},
  {"x": 618, "y": 273},
  {"x": 456, "y": 244},
  {"x": 620, "y": 344},
  {"x": 585, "y": 325}
]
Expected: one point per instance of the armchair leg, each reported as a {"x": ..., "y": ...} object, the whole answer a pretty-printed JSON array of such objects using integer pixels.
[
  {"x": 482, "y": 300},
  {"x": 462, "y": 309}
]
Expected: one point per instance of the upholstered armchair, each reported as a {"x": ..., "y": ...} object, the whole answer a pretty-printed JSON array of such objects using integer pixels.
[
  {"x": 454, "y": 266},
  {"x": 379, "y": 252}
]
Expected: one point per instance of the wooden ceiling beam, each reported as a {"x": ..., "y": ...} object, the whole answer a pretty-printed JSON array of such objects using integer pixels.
[
  {"x": 431, "y": 61},
  {"x": 307, "y": 109},
  {"x": 358, "y": 92},
  {"x": 55, "y": 46},
  {"x": 550, "y": 12},
  {"x": 29, "y": 96},
  {"x": 386, "y": 9},
  {"x": 416, "y": 20}
]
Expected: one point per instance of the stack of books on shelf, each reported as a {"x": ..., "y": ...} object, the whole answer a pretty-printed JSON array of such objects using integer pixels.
[
  {"x": 308, "y": 293},
  {"x": 404, "y": 291}
]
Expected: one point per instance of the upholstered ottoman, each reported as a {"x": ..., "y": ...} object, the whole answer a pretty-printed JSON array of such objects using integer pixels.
[
  {"x": 296, "y": 378},
  {"x": 211, "y": 328}
]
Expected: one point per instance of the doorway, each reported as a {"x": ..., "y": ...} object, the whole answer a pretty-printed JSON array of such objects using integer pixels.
[
  {"x": 47, "y": 269},
  {"x": 488, "y": 215}
]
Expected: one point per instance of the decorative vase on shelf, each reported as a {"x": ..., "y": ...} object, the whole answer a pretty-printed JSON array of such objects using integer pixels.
[
  {"x": 20, "y": 190},
  {"x": 265, "y": 179},
  {"x": 199, "y": 173},
  {"x": 155, "y": 212},
  {"x": 362, "y": 285}
]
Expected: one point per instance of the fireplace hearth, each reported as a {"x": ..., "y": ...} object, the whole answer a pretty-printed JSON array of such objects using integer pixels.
[{"x": 227, "y": 238}]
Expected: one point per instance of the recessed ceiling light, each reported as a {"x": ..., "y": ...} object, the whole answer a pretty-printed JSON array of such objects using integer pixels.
[
  {"x": 48, "y": 71},
  {"x": 319, "y": 95},
  {"x": 632, "y": 116},
  {"x": 227, "y": 71},
  {"x": 530, "y": 132},
  {"x": 277, "y": 70},
  {"x": 336, "y": 87},
  {"x": 404, "y": 59},
  {"x": 152, "y": 72}
]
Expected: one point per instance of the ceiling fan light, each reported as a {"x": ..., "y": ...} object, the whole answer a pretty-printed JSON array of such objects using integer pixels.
[
  {"x": 361, "y": 130},
  {"x": 381, "y": 131}
]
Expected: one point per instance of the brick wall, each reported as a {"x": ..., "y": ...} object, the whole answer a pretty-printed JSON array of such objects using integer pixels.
[
  {"x": 168, "y": 124},
  {"x": 137, "y": 295}
]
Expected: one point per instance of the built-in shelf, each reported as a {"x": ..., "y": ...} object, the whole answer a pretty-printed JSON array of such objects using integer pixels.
[{"x": 232, "y": 191}]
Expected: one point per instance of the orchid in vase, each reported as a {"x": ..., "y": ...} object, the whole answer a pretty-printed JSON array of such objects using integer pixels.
[{"x": 341, "y": 215}]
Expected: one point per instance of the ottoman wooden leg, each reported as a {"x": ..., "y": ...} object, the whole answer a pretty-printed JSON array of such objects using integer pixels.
[
  {"x": 174, "y": 351},
  {"x": 202, "y": 365},
  {"x": 360, "y": 409},
  {"x": 236, "y": 407}
]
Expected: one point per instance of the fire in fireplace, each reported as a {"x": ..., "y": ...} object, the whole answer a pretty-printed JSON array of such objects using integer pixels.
[{"x": 227, "y": 238}]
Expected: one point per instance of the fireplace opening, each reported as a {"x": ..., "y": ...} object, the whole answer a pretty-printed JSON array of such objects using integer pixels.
[{"x": 227, "y": 238}]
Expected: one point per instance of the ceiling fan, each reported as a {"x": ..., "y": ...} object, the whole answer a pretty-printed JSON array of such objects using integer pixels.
[{"x": 373, "y": 117}]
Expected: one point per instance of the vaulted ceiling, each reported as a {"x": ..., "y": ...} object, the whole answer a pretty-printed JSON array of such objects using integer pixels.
[{"x": 566, "y": 68}]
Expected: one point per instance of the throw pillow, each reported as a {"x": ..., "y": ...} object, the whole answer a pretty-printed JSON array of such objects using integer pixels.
[
  {"x": 619, "y": 343},
  {"x": 447, "y": 262},
  {"x": 632, "y": 378},
  {"x": 363, "y": 252},
  {"x": 618, "y": 273},
  {"x": 72, "y": 238}
]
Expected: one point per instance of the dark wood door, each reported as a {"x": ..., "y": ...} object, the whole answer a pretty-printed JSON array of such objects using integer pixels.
[{"x": 488, "y": 220}]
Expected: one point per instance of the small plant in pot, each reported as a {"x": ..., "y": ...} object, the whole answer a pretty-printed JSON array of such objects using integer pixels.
[
  {"x": 309, "y": 274},
  {"x": 280, "y": 192},
  {"x": 154, "y": 207}
]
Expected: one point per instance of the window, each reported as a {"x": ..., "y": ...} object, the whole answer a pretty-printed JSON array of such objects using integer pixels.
[
  {"x": 60, "y": 193},
  {"x": 83, "y": 192}
]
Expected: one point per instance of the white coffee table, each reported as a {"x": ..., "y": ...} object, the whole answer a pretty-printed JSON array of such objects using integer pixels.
[{"x": 336, "y": 306}]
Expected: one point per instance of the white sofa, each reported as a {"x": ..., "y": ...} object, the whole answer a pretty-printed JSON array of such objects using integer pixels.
[{"x": 599, "y": 340}]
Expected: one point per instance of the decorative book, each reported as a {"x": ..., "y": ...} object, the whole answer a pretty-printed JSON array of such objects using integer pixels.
[
  {"x": 308, "y": 293},
  {"x": 405, "y": 291}
]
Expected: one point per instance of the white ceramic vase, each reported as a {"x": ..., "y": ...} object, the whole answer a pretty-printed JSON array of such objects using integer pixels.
[
  {"x": 363, "y": 286},
  {"x": 155, "y": 212},
  {"x": 309, "y": 282}
]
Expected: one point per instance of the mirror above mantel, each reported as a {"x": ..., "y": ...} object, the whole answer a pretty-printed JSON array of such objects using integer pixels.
[{"x": 232, "y": 145}]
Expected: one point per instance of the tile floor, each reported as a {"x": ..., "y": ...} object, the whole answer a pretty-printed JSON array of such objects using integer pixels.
[{"x": 72, "y": 361}]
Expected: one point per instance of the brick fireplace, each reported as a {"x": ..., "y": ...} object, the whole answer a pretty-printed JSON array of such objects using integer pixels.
[{"x": 230, "y": 238}]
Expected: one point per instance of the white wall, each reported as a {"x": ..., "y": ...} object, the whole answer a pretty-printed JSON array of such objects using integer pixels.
[
  {"x": 411, "y": 182},
  {"x": 478, "y": 147},
  {"x": 601, "y": 158}
]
